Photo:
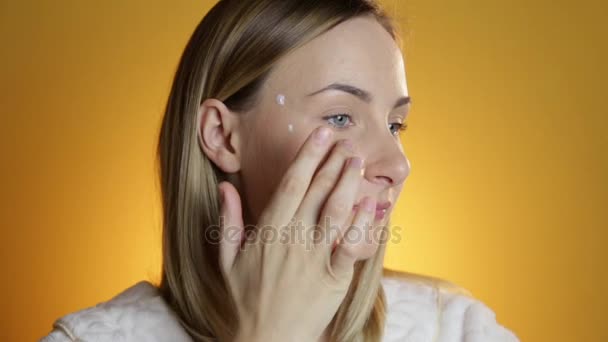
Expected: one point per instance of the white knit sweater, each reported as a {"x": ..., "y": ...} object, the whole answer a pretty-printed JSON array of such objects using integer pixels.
[{"x": 417, "y": 311}]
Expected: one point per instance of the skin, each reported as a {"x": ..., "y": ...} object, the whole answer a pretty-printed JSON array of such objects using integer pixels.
[{"x": 259, "y": 150}]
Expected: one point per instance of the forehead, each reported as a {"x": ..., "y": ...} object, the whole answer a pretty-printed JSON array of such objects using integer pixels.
[{"x": 358, "y": 52}]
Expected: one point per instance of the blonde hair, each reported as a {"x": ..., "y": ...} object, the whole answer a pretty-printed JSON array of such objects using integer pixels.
[{"x": 228, "y": 57}]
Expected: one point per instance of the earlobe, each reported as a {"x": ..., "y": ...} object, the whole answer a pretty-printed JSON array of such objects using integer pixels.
[{"x": 217, "y": 135}]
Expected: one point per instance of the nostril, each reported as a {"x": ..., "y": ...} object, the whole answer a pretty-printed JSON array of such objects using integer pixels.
[{"x": 383, "y": 180}]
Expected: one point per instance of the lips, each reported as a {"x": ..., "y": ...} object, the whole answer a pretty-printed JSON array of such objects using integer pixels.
[
  {"x": 383, "y": 205},
  {"x": 380, "y": 214},
  {"x": 381, "y": 209}
]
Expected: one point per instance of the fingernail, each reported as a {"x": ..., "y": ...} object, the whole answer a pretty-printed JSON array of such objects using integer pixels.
[
  {"x": 322, "y": 135},
  {"x": 355, "y": 162}
]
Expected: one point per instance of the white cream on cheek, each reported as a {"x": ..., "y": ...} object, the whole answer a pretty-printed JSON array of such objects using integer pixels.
[{"x": 281, "y": 100}]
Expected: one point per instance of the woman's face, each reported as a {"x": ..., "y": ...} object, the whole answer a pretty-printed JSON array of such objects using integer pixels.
[{"x": 358, "y": 53}]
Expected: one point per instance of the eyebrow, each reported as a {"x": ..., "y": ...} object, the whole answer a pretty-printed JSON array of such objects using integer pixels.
[{"x": 363, "y": 95}]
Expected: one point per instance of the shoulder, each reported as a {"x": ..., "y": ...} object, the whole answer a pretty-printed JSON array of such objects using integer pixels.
[
  {"x": 138, "y": 313},
  {"x": 424, "y": 308},
  {"x": 419, "y": 308}
]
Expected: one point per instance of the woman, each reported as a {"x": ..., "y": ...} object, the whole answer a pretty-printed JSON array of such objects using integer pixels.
[{"x": 280, "y": 161}]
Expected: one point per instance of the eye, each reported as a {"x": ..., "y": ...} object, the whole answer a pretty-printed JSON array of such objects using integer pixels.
[
  {"x": 344, "y": 120},
  {"x": 339, "y": 120},
  {"x": 397, "y": 127}
]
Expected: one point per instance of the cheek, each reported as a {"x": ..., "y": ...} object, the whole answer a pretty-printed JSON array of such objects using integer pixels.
[
  {"x": 266, "y": 159},
  {"x": 286, "y": 132},
  {"x": 284, "y": 150},
  {"x": 292, "y": 144}
]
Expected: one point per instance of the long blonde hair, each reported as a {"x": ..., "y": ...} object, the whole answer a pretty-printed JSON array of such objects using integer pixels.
[{"x": 228, "y": 57}]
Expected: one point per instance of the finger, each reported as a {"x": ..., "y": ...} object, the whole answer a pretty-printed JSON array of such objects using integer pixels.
[
  {"x": 324, "y": 182},
  {"x": 296, "y": 180},
  {"x": 231, "y": 223},
  {"x": 338, "y": 208},
  {"x": 338, "y": 237},
  {"x": 357, "y": 243}
]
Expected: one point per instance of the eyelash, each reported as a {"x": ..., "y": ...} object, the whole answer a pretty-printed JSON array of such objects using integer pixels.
[{"x": 401, "y": 127}]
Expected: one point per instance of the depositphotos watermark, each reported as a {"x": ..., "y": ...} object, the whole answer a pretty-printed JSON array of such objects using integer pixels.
[{"x": 298, "y": 233}]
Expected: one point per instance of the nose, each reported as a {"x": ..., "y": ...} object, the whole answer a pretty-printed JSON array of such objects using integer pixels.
[{"x": 386, "y": 162}]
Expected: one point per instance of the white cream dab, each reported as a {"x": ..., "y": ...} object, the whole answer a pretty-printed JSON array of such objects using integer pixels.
[
  {"x": 281, "y": 99},
  {"x": 290, "y": 127}
]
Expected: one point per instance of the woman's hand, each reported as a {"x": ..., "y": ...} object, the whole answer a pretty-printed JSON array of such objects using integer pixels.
[{"x": 290, "y": 290}]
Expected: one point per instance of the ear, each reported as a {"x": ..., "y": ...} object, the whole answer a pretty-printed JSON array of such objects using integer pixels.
[{"x": 218, "y": 136}]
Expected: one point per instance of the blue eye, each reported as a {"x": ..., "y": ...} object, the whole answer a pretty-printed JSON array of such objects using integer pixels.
[
  {"x": 400, "y": 127},
  {"x": 339, "y": 120},
  {"x": 342, "y": 121}
]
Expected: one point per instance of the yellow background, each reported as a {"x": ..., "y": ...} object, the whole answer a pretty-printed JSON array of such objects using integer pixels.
[{"x": 508, "y": 142}]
